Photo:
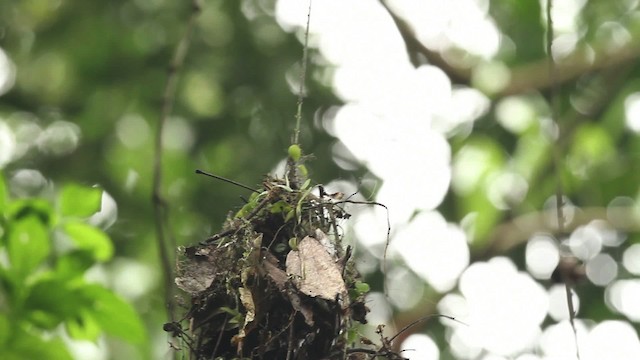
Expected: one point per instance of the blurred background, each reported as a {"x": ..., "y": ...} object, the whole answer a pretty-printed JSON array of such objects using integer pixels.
[{"x": 441, "y": 110}]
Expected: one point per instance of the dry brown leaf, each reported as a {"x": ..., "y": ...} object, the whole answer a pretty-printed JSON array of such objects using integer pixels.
[
  {"x": 315, "y": 272},
  {"x": 280, "y": 278},
  {"x": 196, "y": 273}
]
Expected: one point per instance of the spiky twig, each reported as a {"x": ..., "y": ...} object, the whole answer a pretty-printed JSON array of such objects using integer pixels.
[{"x": 303, "y": 75}]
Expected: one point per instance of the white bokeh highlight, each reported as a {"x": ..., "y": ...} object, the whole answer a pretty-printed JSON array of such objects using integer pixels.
[
  {"x": 542, "y": 256},
  {"x": 420, "y": 347},
  {"x": 434, "y": 249},
  {"x": 622, "y": 296},
  {"x": 632, "y": 112},
  {"x": 506, "y": 307},
  {"x": 396, "y": 119},
  {"x": 7, "y": 144},
  {"x": 558, "y": 305}
]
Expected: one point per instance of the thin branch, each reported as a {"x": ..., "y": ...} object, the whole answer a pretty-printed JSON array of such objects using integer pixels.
[
  {"x": 414, "y": 46},
  {"x": 527, "y": 77},
  {"x": 520, "y": 229},
  {"x": 534, "y": 76},
  {"x": 159, "y": 204},
  {"x": 423, "y": 319},
  {"x": 303, "y": 75},
  {"x": 387, "y": 242},
  {"x": 198, "y": 171},
  {"x": 557, "y": 162}
]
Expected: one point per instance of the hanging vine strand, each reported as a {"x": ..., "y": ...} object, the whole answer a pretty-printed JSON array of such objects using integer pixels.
[
  {"x": 165, "y": 240},
  {"x": 557, "y": 163},
  {"x": 303, "y": 76}
]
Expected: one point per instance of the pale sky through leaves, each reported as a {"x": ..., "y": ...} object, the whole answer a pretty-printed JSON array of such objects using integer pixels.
[{"x": 396, "y": 120}]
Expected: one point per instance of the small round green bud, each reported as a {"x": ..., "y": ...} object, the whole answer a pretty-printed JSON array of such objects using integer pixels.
[
  {"x": 295, "y": 152},
  {"x": 362, "y": 287},
  {"x": 293, "y": 244}
]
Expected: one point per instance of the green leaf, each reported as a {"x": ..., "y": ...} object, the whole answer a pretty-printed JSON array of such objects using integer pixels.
[
  {"x": 280, "y": 206},
  {"x": 80, "y": 201},
  {"x": 254, "y": 199},
  {"x": 28, "y": 245},
  {"x": 5, "y": 328},
  {"x": 115, "y": 316},
  {"x": 305, "y": 184},
  {"x": 52, "y": 301},
  {"x": 85, "y": 309},
  {"x": 83, "y": 327},
  {"x": 90, "y": 238},
  {"x": 22, "y": 208},
  {"x": 26, "y": 346},
  {"x": 74, "y": 263}
]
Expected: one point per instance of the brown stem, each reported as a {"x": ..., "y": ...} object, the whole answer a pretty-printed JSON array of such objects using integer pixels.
[
  {"x": 516, "y": 232},
  {"x": 159, "y": 204},
  {"x": 527, "y": 77}
]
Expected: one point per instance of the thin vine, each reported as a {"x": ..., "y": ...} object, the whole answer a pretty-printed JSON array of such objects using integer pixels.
[
  {"x": 161, "y": 210},
  {"x": 303, "y": 75},
  {"x": 557, "y": 162}
]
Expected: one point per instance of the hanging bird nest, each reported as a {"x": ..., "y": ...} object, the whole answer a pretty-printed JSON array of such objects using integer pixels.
[{"x": 276, "y": 282}]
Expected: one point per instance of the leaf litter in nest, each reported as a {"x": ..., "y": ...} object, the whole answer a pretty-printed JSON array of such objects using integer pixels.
[
  {"x": 316, "y": 272},
  {"x": 196, "y": 275},
  {"x": 258, "y": 291}
]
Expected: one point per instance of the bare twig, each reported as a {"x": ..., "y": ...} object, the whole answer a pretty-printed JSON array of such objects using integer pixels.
[
  {"x": 387, "y": 242},
  {"x": 527, "y": 77},
  {"x": 457, "y": 74},
  {"x": 518, "y": 230},
  {"x": 247, "y": 218},
  {"x": 159, "y": 204},
  {"x": 219, "y": 339},
  {"x": 555, "y": 115},
  {"x": 303, "y": 75},
  {"x": 423, "y": 319},
  {"x": 198, "y": 171}
]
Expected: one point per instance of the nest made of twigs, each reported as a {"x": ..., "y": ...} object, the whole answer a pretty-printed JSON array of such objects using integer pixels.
[{"x": 275, "y": 283}]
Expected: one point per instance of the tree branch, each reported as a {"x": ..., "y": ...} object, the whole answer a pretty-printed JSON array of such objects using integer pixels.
[
  {"x": 524, "y": 78},
  {"x": 520, "y": 229},
  {"x": 159, "y": 204}
]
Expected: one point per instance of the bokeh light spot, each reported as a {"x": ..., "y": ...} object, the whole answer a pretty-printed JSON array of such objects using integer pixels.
[
  {"x": 59, "y": 138},
  {"x": 132, "y": 130},
  {"x": 542, "y": 256},
  {"x": 631, "y": 259},
  {"x": 420, "y": 347},
  {"x": 7, "y": 73},
  {"x": 558, "y": 308},
  {"x": 602, "y": 269},
  {"x": 7, "y": 144},
  {"x": 632, "y": 112}
]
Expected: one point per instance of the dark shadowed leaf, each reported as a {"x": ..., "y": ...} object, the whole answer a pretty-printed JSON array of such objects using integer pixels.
[
  {"x": 22, "y": 346},
  {"x": 115, "y": 316},
  {"x": 51, "y": 301}
]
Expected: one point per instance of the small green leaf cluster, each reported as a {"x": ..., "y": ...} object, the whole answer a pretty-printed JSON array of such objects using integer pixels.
[{"x": 45, "y": 249}]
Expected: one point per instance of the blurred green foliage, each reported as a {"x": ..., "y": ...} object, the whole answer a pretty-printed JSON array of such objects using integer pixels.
[{"x": 42, "y": 280}]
